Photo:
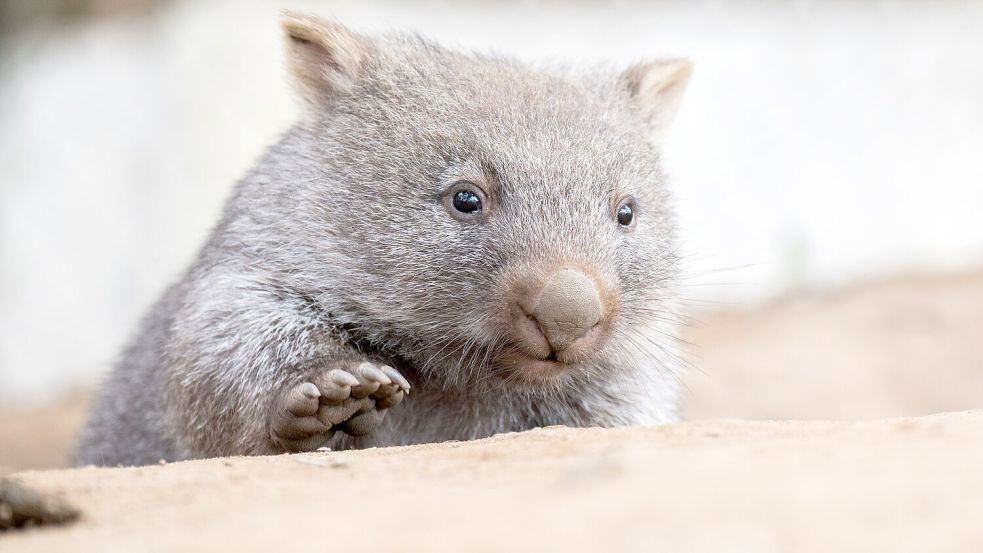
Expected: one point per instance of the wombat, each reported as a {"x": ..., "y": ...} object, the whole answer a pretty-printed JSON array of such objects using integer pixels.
[{"x": 445, "y": 246}]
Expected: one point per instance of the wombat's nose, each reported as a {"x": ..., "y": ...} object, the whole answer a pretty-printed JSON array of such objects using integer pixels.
[{"x": 568, "y": 306}]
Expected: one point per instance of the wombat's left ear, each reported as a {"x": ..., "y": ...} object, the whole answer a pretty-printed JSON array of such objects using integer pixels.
[
  {"x": 325, "y": 58},
  {"x": 656, "y": 89}
]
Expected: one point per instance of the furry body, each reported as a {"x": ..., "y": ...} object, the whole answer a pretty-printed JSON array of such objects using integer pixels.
[{"x": 335, "y": 248}]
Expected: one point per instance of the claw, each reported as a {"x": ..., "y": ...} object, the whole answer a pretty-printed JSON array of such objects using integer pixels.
[
  {"x": 342, "y": 378},
  {"x": 372, "y": 373},
  {"x": 299, "y": 402},
  {"x": 310, "y": 390},
  {"x": 397, "y": 378},
  {"x": 335, "y": 386}
]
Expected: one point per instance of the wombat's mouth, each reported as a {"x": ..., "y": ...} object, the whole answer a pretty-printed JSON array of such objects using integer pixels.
[
  {"x": 517, "y": 359},
  {"x": 524, "y": 365}
]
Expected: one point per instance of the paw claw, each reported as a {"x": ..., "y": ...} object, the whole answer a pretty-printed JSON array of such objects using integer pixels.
[
  {"x": 310, "y": 390},
  {"x": 342, "y": 378},
  {"x": 299, "y": 403},
  {"x": 335, "y": 386},
  {"x": 364, "y": 391},
  {"x": 396, "y": 378},
  {"x": 372, "y": 373}
]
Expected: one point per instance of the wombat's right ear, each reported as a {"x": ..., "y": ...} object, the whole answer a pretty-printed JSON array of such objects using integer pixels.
[
  {"x": 324, "y": 57},
  {"x": 656, "y": 89}
]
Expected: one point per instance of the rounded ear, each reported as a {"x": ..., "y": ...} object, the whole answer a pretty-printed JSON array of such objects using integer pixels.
[
  {"x": 324, "y": 58},
  {"x": 656, "y": 89}
]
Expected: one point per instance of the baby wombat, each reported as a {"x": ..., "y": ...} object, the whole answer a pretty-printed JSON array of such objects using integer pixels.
[{"x": 446, "y": 246}]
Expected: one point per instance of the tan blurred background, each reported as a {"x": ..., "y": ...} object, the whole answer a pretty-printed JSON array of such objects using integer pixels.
[{"x": 827, "y": 171}]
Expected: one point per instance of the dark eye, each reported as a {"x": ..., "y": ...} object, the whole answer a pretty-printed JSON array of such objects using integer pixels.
[
  {"x": 467, "y": 201},
  {"x": 626, "y": 214}
]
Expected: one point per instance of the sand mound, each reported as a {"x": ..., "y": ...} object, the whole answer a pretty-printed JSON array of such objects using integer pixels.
[{"x": 894, "y": 485}]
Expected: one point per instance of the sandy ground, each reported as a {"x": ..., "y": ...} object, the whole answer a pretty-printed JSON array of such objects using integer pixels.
[
  {"x": 41, "y": 436},
  {"x": 894, "y": 485},
  {"x": 901, "y": 348}
]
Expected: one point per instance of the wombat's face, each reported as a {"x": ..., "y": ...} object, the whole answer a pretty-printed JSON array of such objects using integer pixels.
[{"x": 501, "y": 225}]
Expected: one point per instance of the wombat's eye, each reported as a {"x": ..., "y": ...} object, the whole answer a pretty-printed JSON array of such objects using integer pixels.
[
  {"x": 626, "y": 213},
  {"x": 465, "y": 201}
]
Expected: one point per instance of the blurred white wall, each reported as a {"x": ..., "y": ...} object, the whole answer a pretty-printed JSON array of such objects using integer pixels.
[{"x": 820, "y": 143}]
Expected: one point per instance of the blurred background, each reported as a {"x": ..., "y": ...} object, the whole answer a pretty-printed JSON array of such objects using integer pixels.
[{"x": 827, "y": 166}]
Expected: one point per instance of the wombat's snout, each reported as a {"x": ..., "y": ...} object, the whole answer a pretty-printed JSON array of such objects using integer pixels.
[{"x": 561, "y": 313}]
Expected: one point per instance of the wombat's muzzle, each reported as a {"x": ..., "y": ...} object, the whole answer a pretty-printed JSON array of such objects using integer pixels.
[{"x": 560, "y": 315}]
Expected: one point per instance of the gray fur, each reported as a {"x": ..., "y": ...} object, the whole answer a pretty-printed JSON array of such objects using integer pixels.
[{"x": 336, "y": 248}]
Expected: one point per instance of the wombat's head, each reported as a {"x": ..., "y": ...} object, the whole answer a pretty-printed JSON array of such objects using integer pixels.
[{"x": 482, "y": 219}]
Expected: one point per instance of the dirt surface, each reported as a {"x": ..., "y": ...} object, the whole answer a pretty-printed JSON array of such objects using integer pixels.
[
  {"x": 41, "y": 436},
  {"x": 894, "y": 485},
  {"x": 902, "y": 347}
]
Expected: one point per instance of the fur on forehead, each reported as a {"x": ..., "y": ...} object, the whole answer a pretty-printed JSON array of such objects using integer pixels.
[{"x": 326, "y": 59}]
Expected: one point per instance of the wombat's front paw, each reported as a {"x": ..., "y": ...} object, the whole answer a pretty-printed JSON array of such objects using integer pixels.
[{"x": 353, "y": 399}]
